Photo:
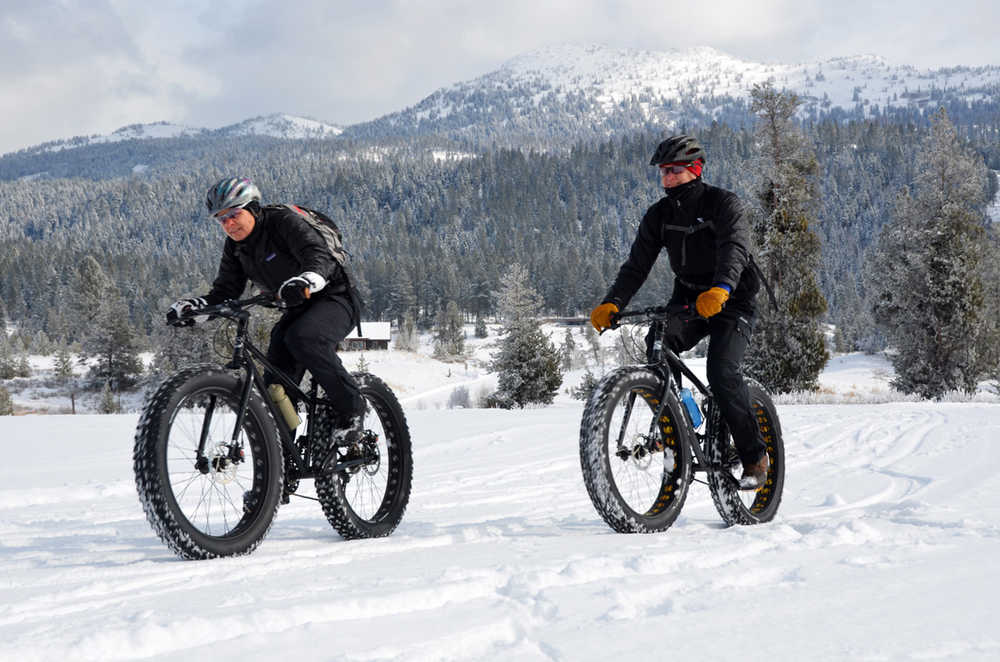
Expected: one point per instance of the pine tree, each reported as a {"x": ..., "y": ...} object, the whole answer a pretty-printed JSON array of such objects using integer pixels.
[
  {"x": 481, "y": 331},
  {"x": 113, "y": 342},
  {"x": 407, "y": 338},
  {"x": 991, "y": 339},
  {"x": 41, "y": 344},
  {"x": 108, "y": 404},
  {"x": 527, "y": 364},
  {"x": 101, "y": 320},
  {"x": 23, "y": 368},
  {"x": 449, "y": 334},
  {"x": 6, "y": 402},
  {"x": 586, "y": 388},
  {"x": 91, "y": 288},
  {"x": 8, "y": 368},
  {"x": 590, "y": 335},
  {"x": 568, "y": 350},
  {"x": 788, "y": 351},
  {"x": 402, "y": 299},
  {"x": 63, "y": 364},
  {"x": 930, "y": 267}
]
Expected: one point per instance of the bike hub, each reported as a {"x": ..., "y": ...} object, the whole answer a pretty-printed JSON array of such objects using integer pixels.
[{"x": 224, "y": 462}]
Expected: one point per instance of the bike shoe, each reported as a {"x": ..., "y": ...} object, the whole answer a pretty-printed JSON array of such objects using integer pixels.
[
  {"x": 731, "y": 458},
  {"x": 755, "y": 475},
  {"x": 347, "y": 432}
]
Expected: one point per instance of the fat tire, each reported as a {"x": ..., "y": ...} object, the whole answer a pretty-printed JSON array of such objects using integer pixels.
[
  {"x": 727, "y": 497},
  {"x": 595, "y": 460},
  {"x": 331, "y": 487},
  {"x": 151, "y": 471}
]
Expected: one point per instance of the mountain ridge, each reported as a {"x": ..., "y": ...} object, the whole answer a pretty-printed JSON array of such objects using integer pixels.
[
  {"x": 606, "y": 89},
  {"x": 275, "y": 125}
]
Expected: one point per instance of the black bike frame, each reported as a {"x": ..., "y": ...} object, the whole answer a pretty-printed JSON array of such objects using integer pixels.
[
  {"x": 664, "y": 361},
  {"x": 244, "y": 352}
]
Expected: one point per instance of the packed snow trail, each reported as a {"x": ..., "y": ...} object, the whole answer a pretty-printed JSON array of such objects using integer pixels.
[{"x": 886, "y": 547}]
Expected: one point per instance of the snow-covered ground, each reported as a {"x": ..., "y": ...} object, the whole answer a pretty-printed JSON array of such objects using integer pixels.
[{"x": 885, "y": 548}]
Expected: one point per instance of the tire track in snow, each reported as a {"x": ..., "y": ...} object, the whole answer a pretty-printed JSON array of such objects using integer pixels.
[{"x": 501, "y": 555}]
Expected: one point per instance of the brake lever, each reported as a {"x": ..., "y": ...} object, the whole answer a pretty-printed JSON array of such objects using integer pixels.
[{"x": 612, "y": 324}]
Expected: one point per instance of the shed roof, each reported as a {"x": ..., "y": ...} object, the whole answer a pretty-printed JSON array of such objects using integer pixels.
[{"x": 371, "y": 331}]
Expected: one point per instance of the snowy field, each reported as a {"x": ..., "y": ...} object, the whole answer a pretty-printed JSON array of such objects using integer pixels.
[{"x": 885, "y": 548}]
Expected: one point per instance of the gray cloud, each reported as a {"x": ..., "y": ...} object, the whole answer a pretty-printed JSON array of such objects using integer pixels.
[{"x": 71, "y": 68}]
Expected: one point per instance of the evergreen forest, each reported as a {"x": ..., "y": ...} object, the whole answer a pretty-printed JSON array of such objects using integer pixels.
[{"x": 432, "y": 221}]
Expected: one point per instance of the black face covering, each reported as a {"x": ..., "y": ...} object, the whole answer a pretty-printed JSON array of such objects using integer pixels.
[{"x": 684, "y": 189}]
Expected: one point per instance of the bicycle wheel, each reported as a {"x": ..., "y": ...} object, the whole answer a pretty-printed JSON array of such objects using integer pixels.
[
  {"x": 224, "y": 503},
  {"x": 749, "y": 507},
  {"x": 637, "y": 469},
  {"x": 368, "y": 499}
]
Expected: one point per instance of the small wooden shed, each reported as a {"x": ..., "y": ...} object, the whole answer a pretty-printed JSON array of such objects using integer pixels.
[{"x": 374, "y": 335}]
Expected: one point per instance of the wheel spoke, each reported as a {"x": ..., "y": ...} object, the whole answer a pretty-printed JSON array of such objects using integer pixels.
[
  {"x": 634, "y": 461},
  {"x": 368, "y": 499},
  {"x": 206, "y": 422}
]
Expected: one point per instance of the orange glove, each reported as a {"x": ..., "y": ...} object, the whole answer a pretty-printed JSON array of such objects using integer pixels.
[
  {"x": 710, "y": 301},
  {"x": 600, "y": 317}
]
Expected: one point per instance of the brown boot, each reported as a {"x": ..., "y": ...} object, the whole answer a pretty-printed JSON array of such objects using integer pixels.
[{"x": 755, "y": 475}]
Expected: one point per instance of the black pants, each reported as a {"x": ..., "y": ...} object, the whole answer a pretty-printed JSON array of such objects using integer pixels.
[
  {"x": 306, "y": 337},
  {"x": 728, "y": 337}
]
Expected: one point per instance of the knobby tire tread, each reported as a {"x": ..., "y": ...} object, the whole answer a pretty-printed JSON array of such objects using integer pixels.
[
  {"x": 330, "y": 488},
  {"x": 725, "y": 495},
  {"x": 595, "y": 461},
  {"x": 154, "y": 424}
]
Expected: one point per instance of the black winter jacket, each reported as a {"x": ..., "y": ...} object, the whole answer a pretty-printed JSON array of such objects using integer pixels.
[
  {"x": 281, "y": 245},
  {"x": 707, "y": 239}
]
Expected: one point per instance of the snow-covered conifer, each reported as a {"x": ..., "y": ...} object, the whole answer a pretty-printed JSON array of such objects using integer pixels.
[
  {"x": 788, "y": 350},
  {"x": 527, "y": 363},
  {"x": 929, "y": 291}
]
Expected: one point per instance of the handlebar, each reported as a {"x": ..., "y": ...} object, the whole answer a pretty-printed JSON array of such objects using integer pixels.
[
  {"x": 231, "y": 308},
  {"x": 680, "y": 311}
]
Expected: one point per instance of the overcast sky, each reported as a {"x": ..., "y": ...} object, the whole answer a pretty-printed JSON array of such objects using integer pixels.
[{"x": 73, "y": 67}]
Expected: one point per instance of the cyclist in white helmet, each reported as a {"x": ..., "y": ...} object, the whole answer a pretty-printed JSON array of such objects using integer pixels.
[{"x": 280, "y": 252}]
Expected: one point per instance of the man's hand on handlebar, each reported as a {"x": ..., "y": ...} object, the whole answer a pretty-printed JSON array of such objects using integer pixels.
[
  {"x": 183, "y": 310},
  {"x": 603, "y": 317}
]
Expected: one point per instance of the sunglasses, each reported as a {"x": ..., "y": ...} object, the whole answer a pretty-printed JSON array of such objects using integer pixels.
[
  {"x": 232, "y": 213},
  {"x": 667, "y": 168}
]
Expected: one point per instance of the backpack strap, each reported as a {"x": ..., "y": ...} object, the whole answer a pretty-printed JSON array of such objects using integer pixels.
[{"x": 687, "y": 230}]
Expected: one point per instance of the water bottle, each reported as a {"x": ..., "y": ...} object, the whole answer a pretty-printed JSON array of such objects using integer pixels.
[
  {"x": 285, "y": 406},
  {"x": 694, "y": 414}
]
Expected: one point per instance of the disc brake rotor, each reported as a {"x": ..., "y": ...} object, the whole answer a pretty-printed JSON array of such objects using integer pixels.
[{"x": 225, "y": 462}]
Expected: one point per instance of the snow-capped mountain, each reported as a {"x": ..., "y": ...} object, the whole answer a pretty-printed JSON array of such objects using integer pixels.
[
  {"x": 569, "y": 89},
  {"x": 283, "y": 126},
  {"x": 614, "y": 75},
  {"x": 130, "y": 132}
]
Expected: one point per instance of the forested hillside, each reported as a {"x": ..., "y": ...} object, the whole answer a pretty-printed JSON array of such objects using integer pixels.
[{"x": 426, "y": 222}]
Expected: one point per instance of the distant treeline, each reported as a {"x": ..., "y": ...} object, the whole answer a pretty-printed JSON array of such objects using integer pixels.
[{"x": 426, "y": 223}]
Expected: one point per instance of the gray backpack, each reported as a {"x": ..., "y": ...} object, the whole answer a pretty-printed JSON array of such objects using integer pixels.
[
  {"x": 335, "y": 242},
  {"x": 327, "y": 229}
]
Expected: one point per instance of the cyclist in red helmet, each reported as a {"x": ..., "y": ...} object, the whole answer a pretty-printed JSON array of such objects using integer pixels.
[{"x": 708, "y": 243}]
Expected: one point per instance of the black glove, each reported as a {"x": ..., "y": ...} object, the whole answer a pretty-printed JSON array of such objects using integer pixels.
[
  {"x": 184, "y": 307},
  {"x": 297, "y": 289}
]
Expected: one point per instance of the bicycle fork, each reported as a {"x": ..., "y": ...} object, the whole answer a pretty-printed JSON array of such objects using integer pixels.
[{"x": 651, "y": 444}]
